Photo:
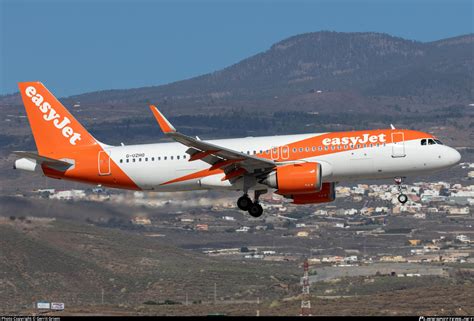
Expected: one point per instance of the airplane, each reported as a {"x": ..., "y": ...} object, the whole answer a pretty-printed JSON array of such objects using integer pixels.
[{"x": 303, "y": 168}]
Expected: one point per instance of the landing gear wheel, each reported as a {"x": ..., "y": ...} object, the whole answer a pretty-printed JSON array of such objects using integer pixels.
[
  {"x": 244, "y": 203},
  {"x": 402, "y": 198},
  {"x": 255, "y": 210}
]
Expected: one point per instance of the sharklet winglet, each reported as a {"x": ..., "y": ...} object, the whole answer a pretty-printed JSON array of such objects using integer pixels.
[{"x": 165, "y": 125}]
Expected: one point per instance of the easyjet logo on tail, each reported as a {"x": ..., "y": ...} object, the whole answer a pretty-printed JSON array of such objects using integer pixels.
[
  {"x": 366, "y": 138},
  {"x": 50, "y": 114}
]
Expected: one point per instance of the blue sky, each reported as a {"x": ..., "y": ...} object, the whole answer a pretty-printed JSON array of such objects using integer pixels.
[{"x": 81, "y": 46}]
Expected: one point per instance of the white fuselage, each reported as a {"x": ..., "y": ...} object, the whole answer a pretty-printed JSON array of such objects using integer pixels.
[{"x": 151, "y": 165}]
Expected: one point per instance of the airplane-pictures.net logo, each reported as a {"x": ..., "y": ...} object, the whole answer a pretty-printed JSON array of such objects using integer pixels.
[
  {"x": 50, "y": 114},
  {"x": 364, "y": 139}
]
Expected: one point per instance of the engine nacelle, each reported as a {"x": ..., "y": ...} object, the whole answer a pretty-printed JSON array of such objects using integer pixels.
[
  {"x": 325, "y": 195},
  {"x": 293, "y": 179}
]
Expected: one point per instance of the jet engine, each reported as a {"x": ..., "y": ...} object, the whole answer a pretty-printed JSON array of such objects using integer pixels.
[{"x": 300, "y": 178}]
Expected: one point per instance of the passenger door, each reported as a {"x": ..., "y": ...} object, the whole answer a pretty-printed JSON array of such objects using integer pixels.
[{"x": 398, "y": 145}]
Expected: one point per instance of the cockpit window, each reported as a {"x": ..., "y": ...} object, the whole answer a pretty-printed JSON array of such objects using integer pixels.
[
  {"x": 423, "y": 142},
  {"x": 431, "y": 142},
  {"x": 438, "y": 142}
]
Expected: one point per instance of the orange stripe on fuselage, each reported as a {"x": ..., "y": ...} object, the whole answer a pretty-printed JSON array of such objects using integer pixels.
[
  {"x": 306, "y": 145},
  {"x": 199, "y": 174},
  {"x": 316, "y": 141}
]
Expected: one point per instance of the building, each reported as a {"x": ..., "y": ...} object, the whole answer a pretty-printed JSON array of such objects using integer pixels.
[
  {"x": 202, "y": 227},
  {"x": 140, "y": 220},
  {"x": 392, "y": 258},
  {"x": 463, "y": 238},
  {"x": 351, "y": 259},
  {"x": 414, "y": 242},
  {"x": 302, "y": 234},
  {"x": 458, "y": 210},
  {"x": 69, "y": 194}
]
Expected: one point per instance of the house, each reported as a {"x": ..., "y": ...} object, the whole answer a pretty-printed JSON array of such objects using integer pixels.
[
  {"x": 392, "y": 258},
  {"x": 414, "y": 242},
  {"x": 463, "y": 238},
  {"x": 302, "y": 234},
  {"x": 140, "y": 220},
  {"x": 458, "y": 210},
  {"x": 202, "y": 227}
]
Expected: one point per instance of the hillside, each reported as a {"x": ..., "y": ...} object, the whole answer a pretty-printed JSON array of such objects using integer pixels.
[
  {"x": 328, "y": 61},
  {"x": 344, "y": 80},
  {"x": 62, "y": 260}
]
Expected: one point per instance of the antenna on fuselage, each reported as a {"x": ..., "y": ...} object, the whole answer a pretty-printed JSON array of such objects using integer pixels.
[{"x": 393, "y": 127}]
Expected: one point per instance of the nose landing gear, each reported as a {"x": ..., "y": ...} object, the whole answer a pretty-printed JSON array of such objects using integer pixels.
[
  {"x": 254, "y": 208},
  {"x": 402, "y": 198}
]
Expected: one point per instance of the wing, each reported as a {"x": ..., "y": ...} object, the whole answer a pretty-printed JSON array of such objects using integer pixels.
[{"x": 234, "y": 163}]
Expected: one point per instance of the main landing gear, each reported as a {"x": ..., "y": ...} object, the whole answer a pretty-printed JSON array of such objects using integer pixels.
[
  {"x": 402, "y": 198},
  {"x": 254, "y": 208}
]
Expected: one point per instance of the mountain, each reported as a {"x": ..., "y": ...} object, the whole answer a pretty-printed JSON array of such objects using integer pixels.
[
  {"x": 371, "y": 63},
  {"x": 343, "y": 80}
]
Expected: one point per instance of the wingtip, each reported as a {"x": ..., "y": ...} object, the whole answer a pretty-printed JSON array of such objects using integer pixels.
[{"x": 164, "y": 124}]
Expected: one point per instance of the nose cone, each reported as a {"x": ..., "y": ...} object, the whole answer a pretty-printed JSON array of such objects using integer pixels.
[{"x": 453, "y": 156}]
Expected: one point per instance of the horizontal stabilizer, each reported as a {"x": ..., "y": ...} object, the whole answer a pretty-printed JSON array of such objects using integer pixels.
[{"x": 42, "y": 160}]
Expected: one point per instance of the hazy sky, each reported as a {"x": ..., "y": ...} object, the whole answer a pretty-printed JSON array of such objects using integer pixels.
[{"x": 80, "y": 46}]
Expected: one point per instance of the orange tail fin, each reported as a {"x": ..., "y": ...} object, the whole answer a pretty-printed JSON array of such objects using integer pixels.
[{"x": 54, "y": 129}]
